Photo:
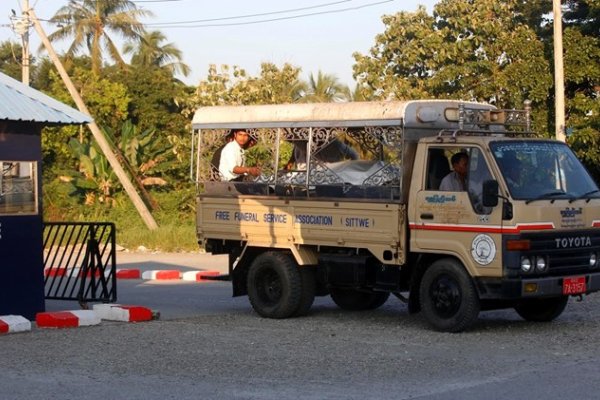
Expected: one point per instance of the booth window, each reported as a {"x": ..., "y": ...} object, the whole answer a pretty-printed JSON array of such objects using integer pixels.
[{"x": 18, "y": 187}]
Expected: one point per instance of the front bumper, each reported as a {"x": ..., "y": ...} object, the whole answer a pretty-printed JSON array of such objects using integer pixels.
[{"x": 513, "y": 289}]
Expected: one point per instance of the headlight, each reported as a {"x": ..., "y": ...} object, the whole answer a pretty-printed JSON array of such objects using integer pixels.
[
  {"x": 593, "y": 260},
  {"x": 540, "y": 264},
  {"x": 525, "y": 264}
]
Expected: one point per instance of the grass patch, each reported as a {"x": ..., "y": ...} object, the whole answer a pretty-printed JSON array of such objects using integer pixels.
[
  {"x": 175, "y": 217},
  {"x": 169, "y": 237}
]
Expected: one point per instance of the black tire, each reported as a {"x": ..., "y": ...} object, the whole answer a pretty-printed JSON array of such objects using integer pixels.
[
  {"x": 449, "y": 300},
  {"x": 378, "y": 299},
  {"x": 309, "y": 289},
  {"x": 274, "y": 285},
  {"x": 355, "y": 300},
  {"x": 542, "y": 310}
]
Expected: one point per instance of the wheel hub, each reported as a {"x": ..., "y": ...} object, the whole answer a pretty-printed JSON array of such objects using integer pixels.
[
  {"x": 446, "y": 296},
  {"x": 269, "y": 286}
]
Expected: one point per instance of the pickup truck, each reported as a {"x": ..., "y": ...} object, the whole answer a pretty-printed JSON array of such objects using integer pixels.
[{"x": 523, "y": 232}]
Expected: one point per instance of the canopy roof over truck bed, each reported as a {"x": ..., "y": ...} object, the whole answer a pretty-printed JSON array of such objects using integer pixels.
[{"x": 417, "y": 113}]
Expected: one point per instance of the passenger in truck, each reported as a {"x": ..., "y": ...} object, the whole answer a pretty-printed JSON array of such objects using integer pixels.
[
  {"x": 232, "y": 163},
  {"x": 455, "y": 181}
]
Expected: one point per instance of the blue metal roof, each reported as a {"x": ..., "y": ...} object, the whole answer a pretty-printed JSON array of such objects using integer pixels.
[{"x": 19, "y": 102}]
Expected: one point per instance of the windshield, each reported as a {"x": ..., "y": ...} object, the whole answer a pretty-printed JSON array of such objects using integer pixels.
[{"x": 536, "y": 170}]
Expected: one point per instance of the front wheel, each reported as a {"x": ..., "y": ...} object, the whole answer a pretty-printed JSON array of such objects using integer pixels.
[
  {"x": 542, "y": 310},
  {"x": 274, "y": 285},
  {"x": 448, "y": 297}
]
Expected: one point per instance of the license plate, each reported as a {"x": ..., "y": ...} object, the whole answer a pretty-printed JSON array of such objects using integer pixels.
[{"x": 574, "y": 285}]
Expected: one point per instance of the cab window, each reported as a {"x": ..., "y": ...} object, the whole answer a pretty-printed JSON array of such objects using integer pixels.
[
  {"x": 439, "y": 166},
  {"x": 478, "y": 173}
]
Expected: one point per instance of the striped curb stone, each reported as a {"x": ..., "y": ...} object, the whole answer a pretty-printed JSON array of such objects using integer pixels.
[
  {"x": 129, "y": 274},
  {"x": 72, "y": 272},
  {"x": 199, "y": 276},
  {"x": 52, "y": 272},
  {"x": 14, "y": 324},
  {"x": 161, "y": 274},
  {"x": 125, "y": 313},
  {"x": 67, "y": 319}
]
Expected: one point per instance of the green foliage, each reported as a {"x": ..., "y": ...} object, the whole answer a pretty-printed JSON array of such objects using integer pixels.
[
  {"x": 498, "y": 52},
  {"x": 468, "y": 49},
  {"x": 40, "y": 78},
  {"x": 585, "y": 143},
  {"x": 56, "y": 153},
  {"x": 154, "y": 94},
  {"x": 175, "y": 218},
  {"x": 176, "y": 221},
  {"x": 399, "y": 62},
  {"x": 582, "y": 81},
  {"x": 150, "y": 52},
  {"x": 107, "y": 101},
  {"x": 274, "y": 85},
  {"x": 323, "y": 89},
  {"x": 11, "y": 58},
  {"x": 162, "y": 104},
  {"x": 96, "y": 180},
  {"x": 149, "y": 158},
  {"x": 89, "y": 23}
]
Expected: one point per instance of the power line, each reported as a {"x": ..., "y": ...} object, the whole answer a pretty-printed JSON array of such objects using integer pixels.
[
  {"x": 186, "y": 24},
  {"x": 274, "y": 19},
  {"x": 249, "y": 15}
]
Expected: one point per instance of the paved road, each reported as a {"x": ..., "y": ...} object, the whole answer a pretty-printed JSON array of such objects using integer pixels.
[{"x": 217, "y": 348}]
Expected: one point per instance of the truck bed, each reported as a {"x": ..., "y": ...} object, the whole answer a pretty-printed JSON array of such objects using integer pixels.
[{"x": 284, "y": 223}]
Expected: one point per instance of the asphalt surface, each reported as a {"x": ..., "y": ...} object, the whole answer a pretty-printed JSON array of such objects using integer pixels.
[{"x": 208, "y": 345}]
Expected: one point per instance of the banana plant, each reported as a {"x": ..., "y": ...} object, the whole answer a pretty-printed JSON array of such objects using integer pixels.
[
  {"x": 146, "y": 155},
  {"x": 97, "y": 179}
]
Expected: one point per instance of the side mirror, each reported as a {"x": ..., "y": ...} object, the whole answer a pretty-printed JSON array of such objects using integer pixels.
[{"x": 490, "y": 193}]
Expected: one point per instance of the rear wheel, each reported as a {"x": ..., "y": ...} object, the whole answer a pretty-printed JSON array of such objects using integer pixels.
[
  {"x": 274, "y": 285},
  {"x": 309, "y": 288},
  {"x": 449, "y": 300},
  {"x": 355, "y": 300},
  {"x": 542, "y": 310}
]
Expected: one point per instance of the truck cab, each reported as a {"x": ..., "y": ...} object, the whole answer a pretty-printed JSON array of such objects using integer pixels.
[{"x": 522, "y": 233}]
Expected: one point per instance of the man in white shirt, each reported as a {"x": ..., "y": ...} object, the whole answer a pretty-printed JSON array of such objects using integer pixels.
[
  {"x": 232, "y": 164},
  {"x": 455, "y": 180}
]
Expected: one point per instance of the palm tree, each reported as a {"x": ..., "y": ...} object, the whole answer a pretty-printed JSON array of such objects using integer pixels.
[
  {"x": 88, "y": 22},
  {"x": 296, "y": 89},
  {"x": 325, "y": 88},
  {"x": 360, "y": 93},
  {"x": 149, "y": 52}
]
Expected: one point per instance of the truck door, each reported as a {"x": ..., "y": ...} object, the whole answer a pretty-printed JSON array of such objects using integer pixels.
[{"x": 456, "y": 222}]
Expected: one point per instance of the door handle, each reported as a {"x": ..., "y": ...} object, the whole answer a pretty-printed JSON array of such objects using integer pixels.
[{"x": 427, "y": 216}]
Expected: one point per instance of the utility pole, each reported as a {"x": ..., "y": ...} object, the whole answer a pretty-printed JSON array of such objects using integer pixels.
[
  {"x": 559, "y": 80},
  {"x": 25, "y": 61},
  {"x": 20, "y": 26},
  {"x": 98, "y": 135}
]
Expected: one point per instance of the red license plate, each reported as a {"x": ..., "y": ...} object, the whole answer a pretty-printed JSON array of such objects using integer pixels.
[{"x": 574, "y": 285}]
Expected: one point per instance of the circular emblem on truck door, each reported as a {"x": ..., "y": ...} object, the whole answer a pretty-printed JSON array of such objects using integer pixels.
[{"x": 483, "y": 249}]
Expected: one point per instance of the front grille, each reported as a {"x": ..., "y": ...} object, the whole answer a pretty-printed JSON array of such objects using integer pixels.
[
  {"x": 563, "y": 263},
  {"x": 569, "y": 259}
]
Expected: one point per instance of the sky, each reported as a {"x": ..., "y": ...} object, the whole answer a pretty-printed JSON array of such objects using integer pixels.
[{"x": 318, "y": 35}]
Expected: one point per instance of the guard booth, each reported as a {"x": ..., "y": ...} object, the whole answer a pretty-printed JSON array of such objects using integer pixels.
[{"x": 23, "y": 113}]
